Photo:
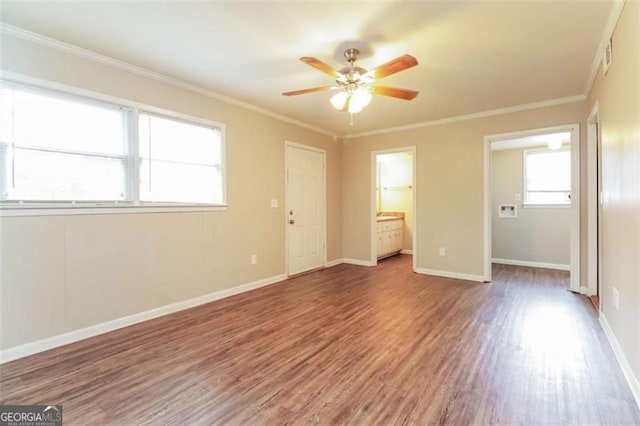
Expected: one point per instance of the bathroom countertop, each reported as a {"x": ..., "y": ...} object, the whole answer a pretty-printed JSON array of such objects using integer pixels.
[{"x": 384, "y": 216}]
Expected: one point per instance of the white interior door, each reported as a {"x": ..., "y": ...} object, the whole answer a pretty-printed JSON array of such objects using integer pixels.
[{"x": 305, "y": 210}]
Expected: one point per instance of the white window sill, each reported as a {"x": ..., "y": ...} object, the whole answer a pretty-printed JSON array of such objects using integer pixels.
[
  {"x": 40, "y": 210},
  {"x": 546, "y": 206}
]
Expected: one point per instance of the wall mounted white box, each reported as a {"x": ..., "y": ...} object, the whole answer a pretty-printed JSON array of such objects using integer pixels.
[{"x": 508, "y": 211}]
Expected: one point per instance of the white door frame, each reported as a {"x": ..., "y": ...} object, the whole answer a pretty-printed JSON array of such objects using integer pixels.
[
  {"x": 373, "y": 207},
  {"x": 291, "y": 144},
  {"x": 593, "y": 202},
  {"x": 574, "y": 129}
]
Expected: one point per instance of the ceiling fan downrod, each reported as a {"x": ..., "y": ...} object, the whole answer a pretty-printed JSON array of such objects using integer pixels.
[{"x": 351, "y": 55}]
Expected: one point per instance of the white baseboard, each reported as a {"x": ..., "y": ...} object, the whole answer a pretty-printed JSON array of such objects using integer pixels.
[
  {"x": 447, "y": 274},
  {"x": 558, "y": 266},
  {"x": 357, "y": 262},
  {"x": 403, "y": 251},
  {"x": 27, "y": 349},
  {"x": 632, "y": 380},
  {"x": 335, "y": 262}
]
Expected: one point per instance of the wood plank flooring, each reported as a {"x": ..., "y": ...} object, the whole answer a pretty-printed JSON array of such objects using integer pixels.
[
  {"x": 595, "y": 301},
  {"x": 347, "y": 345}
]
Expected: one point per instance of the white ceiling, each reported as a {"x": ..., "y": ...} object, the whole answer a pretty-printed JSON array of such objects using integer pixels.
[
  {"x": 474, "y": 55},
  {"x": 531, "y": 141}
]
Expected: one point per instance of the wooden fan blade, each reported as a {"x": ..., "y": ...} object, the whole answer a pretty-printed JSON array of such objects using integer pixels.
[
  {"x": 312, "y": 90},
  {"x": 394, "y": 92},
  {"x": 396, "y": 65},
  {"x": 318, "y": 64}
]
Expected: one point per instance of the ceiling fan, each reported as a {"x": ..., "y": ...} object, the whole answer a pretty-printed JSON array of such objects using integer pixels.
[{"x": 357, "y": 84}]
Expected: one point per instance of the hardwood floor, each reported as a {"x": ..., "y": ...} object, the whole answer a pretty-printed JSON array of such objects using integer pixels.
[
  {"x": 347, "y": 344},
  {"x": 595, "y": 301}
]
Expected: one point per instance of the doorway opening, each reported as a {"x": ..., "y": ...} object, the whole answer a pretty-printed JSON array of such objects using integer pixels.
[
  {"x": 532, "y": 200},
  {"x": 305, "y": 208},
  {"x": 393, "y": 204}
]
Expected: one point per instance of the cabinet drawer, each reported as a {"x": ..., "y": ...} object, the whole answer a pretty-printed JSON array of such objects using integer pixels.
[{"x": 387, "y": 226}]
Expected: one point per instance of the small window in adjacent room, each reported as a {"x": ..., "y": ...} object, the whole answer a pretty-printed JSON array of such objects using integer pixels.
[
  {"x": 180, "y": 161},
  {"x": 547, "y": 179},
  {"x": 59, "y": 148}
]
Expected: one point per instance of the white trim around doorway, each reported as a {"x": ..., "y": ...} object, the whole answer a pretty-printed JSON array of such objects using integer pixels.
[
  {"x": 592, "y": 202},
  {"x": 290, "y": 144},
  {"x": 373, "y": 208},
  {"x": 574, "y": 129}
]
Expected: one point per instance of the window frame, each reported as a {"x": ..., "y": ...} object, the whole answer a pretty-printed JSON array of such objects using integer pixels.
[
  {"x": 187, "y": 120},
  {"x": 525, "y": 191},
  {"x": 126, "y": 157},
  {"x": 133, "y": 204}
]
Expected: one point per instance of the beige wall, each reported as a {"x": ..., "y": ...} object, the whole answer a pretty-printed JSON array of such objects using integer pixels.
[
  {"x": 449, "y": 184},
  {"x": 618, "y": 96},
  {"x": 61, "y": 273},
  {"x": 537, "y": 234},
  {"x": 399, "y": 199}
]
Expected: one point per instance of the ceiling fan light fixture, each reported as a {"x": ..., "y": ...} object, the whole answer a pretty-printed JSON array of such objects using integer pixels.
[
  {"x": 554, "y": 144},
  {"x": 360, "y": 99},
  {"x": 366, "y": 78},
  {"x": 339, "y": 99},
  {"x": 555, "y": 141}
]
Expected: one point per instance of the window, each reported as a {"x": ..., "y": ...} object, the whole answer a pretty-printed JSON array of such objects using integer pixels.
[
  {"x": 59, "y": 150},
  {"x": 180, "y": 161},
  {"x": 547, "y": 177}
]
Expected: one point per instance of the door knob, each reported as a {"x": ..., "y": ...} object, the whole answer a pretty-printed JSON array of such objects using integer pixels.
[{"x": 292, "y": 221}]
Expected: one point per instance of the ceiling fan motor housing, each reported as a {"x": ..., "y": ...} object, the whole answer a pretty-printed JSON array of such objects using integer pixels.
[
  {"x": 351, "y": 77},
  {"x": 351, "y": 55}
]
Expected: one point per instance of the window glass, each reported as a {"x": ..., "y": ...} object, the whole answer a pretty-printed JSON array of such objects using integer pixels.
[
  {"x": 59, "y": 148},
  {"x": 180, "y": 161},
  {"x": 548, "y": 177}
]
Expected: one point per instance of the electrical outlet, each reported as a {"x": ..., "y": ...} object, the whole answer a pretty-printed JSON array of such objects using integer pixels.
[
  {"x": 615, "y": 297},
  {"x": 517, "y": 197},
  {"x": 254, "y": 259},
  {"x": 442, "y": 251}
]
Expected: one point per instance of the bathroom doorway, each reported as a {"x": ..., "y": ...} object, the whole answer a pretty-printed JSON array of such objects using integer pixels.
[{"x": 393, "y": 206}]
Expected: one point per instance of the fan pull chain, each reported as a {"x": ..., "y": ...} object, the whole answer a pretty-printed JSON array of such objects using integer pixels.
[{"x": 351, "y": 122}]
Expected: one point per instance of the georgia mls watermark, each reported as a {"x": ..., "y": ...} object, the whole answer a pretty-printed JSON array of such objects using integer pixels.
[{"x": 30, "y": 415}]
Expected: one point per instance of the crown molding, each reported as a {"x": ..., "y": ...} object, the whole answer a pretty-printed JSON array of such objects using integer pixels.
[
  {"x": 153, "y": 75},
  {"x": 483, "y": 114},
  {"x": 607, "y": 33},
  {"x": 144, "y": 72}
]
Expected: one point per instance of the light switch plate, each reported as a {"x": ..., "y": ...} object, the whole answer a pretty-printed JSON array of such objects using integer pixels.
[
  {"x": 274, "y": 203},
  {"x": 518, "y": 197}
]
